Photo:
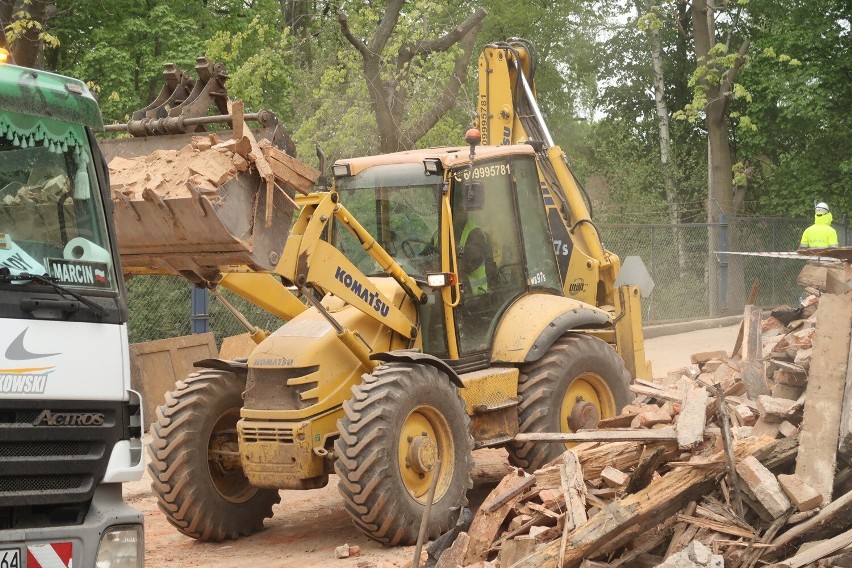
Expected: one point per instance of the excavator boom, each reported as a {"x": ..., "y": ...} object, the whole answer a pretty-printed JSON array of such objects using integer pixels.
[{"x": 508, "y": 113}]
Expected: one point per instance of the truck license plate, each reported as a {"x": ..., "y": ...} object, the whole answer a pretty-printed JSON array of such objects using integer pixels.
[{"x": 10, "y": 558}]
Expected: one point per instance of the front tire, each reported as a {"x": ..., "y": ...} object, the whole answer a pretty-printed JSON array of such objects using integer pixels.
[
  {"x": 198, "y": 480},
  {"x": 576, "y": 370},
  {"x": 400, "y": 420}
]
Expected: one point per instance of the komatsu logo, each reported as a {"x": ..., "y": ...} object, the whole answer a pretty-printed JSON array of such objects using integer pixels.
[
  {"x": 48, "y": 418},
  {"x": 370, "y": 298}
]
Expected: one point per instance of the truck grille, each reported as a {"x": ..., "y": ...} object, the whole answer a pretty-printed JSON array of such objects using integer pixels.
[{"x": 48, "y": 466}]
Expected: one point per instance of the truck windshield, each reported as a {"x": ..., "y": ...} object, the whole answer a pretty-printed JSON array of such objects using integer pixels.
[
  {"x": 399, "y": 205},
  {"x": 51, "y": 212}
]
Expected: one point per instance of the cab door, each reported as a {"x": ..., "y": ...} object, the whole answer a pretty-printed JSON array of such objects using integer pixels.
[{"x": 499, "y": 228}]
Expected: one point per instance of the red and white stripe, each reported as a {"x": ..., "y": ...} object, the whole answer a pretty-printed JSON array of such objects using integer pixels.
[{"x": 53, "y": 555}]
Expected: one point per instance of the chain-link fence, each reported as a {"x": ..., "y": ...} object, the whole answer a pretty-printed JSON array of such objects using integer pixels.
[
  {"x": 162, "y": 307},
  {"x": 690, "y": 282}
]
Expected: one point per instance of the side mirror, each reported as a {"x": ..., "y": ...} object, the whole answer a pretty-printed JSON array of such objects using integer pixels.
[{"x": 474, "y": 195}]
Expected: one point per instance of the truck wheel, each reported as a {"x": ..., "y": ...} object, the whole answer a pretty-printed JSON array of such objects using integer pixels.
[
  {"x": 195, "y": 465},
  {"x": 401, "y": 419},
  {"x": 580, "y": 380}
]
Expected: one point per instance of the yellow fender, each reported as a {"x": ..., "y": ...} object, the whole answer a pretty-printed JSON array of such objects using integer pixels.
[{"x": 535, "y": 321}]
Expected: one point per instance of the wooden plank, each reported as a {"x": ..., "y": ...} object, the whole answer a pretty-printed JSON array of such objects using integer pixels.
[
  {"x": 486, "y": 524},
  {"x": 514, "y": 549},
  {"x": 752, "y": 299},
  {"x": 494, "y": 502},
  {"x": 679, "y": 529},
  {"x": 649, "y": 461},
  {"x": 814, "y": 553},
  {"x": 845, "y": 444},
  {"x": 621, "y": 455},
  {"x": 716, "y": 526},
  {"x": 454, "y": 555},
  {"x": 644, "y": 509},
  {"x": 614, "y": 435},
  {"x": 291, "y": 171},
  {"x": 820, "y": 429},
  {"x": 574, "y": 490},
  {"x": 690, "y": 421},
  {"x": 752, "y": 365},
  {"x": 656, "y": 392},
  {"x": 841, "y": 508}
]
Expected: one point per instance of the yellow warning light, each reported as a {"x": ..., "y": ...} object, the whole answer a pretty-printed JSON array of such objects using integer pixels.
[{"x": 4, "y": 56}]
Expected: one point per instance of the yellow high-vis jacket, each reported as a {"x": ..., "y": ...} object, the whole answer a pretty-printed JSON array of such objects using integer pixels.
[{"x": 821, "y": 234}]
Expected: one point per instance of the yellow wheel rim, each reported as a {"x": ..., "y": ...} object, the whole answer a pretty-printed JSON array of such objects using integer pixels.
[
  {"x": 425, "y": 437},
  {"x": 586, "y": 389}
]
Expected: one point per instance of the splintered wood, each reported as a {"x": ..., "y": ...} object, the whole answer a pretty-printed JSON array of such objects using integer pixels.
[{"x": 698, "y": 470}]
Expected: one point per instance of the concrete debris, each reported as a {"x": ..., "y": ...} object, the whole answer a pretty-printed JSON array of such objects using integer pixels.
[
  {"x": 696, "y": 555},
  {"x": 342, "y": 551},
  {"x": 695, "y": 491}
]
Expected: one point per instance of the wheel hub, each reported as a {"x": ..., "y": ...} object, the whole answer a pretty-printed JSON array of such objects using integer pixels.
[
  {"x": 584, "y": 416},
  {"x": 225, "y": 453},
  {"x": 422, "y": 454}
]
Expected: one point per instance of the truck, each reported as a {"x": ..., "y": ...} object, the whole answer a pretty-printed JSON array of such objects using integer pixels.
[
  {"x": 429, "y": 311},
  {"x": 70, "y": 425}
]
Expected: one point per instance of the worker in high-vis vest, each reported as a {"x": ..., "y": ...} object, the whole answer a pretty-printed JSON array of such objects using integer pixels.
[
  {"x": 821, "y": 234},
  {"x": 472, "y": 250}
]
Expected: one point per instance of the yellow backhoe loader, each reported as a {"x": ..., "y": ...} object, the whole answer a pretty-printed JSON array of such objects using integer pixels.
[{"x": 435, "y": 317}]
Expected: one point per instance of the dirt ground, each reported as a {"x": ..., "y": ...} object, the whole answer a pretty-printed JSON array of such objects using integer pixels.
[{"x": 308, "y": 525}]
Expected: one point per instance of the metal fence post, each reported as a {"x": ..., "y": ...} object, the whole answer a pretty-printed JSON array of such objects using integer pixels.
[
  {"x": 653, "y": 271},
  {"x": 772, "y": 262},
  {"x": 724, "y": 247},
  {"x": 200, "y": 310}
]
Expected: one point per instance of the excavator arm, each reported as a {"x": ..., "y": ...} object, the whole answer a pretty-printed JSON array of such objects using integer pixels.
[{"x": 508, "y": 113}]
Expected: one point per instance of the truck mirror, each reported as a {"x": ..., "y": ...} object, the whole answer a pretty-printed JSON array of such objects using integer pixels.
[{"x": 474, "y": 195}]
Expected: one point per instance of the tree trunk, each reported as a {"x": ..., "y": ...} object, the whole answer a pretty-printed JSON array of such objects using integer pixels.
[
  {"x": 388, "y": 89},
  {"x": 6, "y": 7},
  {"x": 720, "y": 190},
  {"x": 27, "y": 49},
  {"x": 665, "y": 144}
]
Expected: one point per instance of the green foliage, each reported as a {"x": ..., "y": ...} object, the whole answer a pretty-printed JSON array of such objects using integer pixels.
[
  {"x": 22, "y": 21},
  {"x": 259, "y": 59},
  {"x": 802, "y": 150}
]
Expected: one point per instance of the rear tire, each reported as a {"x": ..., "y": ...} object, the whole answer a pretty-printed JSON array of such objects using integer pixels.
[
  {"x": 202, "y": 491},
  {"x": 575, "y": 367},
  {"x": 400, "y": 420}
]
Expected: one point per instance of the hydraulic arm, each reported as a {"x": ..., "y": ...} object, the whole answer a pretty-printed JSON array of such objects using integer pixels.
[{"x": 508, "y": 113}]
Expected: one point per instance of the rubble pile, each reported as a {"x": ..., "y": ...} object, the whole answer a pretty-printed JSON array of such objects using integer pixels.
[
  {"x": 736, "y": 460},
  {"x": 203, "y": 166}
]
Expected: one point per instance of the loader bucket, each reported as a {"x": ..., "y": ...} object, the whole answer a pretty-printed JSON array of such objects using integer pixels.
[{"x": 201, "y": 232}]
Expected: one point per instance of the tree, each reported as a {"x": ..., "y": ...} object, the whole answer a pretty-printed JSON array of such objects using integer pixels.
[
  {"x": 391, "y": 80},
  {"x": 650, "y": 22},
  {"x": 800, "y": 81},
  {"x": 25, "y": 22}
]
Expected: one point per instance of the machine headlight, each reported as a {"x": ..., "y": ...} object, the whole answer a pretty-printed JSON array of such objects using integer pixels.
[
  {"x": 433, "y": 166},
  {"x": 341, "y": 170},
  {"x": 121, "y": 547}
]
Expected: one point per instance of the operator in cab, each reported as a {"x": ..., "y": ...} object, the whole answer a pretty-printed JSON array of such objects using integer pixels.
[
  {"x": 472, "y": 253},
  {"x": 821, "y": 234}
]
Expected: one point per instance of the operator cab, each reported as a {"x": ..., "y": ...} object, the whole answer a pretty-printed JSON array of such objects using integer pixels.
[
  {"x": 483, "y": 223},
  {"x": 56, "y": 257}
]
